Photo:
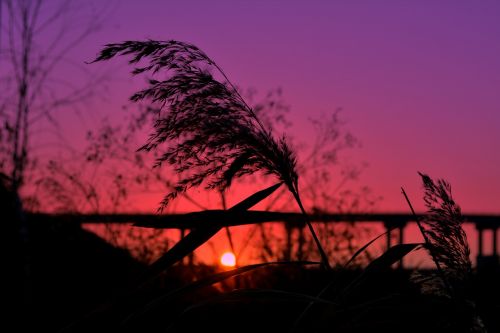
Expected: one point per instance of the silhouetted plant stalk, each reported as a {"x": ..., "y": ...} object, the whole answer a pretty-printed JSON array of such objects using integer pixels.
[
  {"x": 444, "y": 237},
  {"x": 211, "y": 134},
  {"x": 427, "y": 243}
]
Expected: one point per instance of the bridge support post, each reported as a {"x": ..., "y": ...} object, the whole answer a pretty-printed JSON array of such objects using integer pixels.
[
  {"x": 495, "y": 241},
  {"x": 480, "y": 242},
  {"x": 392, "y": 224},
  {"x": 488, "y": 262}
]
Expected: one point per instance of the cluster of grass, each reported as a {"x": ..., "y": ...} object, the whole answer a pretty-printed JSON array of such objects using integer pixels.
[
  {"x": 296, "y": 296},
  {"x": 210, "y": 136}
]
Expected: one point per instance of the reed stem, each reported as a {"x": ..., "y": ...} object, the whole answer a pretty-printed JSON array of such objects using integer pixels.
[
  {"x": 428, "y": 244},
  {"x": 322, "y": 253}
]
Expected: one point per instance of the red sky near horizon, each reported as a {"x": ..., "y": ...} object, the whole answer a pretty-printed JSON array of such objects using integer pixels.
[{"x": 418, "y": 82}]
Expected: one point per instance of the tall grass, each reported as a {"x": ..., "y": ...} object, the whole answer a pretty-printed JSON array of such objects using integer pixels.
[{"x": 210, "y": 136}]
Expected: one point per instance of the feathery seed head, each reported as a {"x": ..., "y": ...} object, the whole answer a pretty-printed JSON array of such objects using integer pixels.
[{"x": 210, "y": 134}]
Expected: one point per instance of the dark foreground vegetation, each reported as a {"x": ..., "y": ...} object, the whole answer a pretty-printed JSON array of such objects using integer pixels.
[
  {"x": 80, "y": 284},
  {"x": 72, "y": 281}
]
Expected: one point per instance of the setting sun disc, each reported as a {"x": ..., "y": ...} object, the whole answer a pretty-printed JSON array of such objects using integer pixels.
[{"x": 228, "y": 259}]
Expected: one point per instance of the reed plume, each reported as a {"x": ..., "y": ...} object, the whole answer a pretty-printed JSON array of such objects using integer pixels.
[
  {"x": 445, "y": 238},
  {"x": 210, "y": 134}
]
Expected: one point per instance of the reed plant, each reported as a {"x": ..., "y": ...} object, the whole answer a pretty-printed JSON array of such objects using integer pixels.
[
  {"x": 209, "y": 133},
  {"x": 210, "y": 136}
]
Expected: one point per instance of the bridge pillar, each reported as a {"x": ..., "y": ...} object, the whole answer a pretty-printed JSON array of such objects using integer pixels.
[
  {"x": 391, "y": 225},
  {"x": 480, "y": 242},
  {"x": 495, "y": 241},
  {"x": 487, "y": 262}
]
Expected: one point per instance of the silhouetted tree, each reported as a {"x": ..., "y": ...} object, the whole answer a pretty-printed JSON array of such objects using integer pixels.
[{"x": 35, "y": 38}]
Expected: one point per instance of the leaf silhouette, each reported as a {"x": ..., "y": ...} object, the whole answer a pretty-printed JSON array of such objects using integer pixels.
[
  {"x": 389, "y": 257},
  {"x": 200, "y": 235}
]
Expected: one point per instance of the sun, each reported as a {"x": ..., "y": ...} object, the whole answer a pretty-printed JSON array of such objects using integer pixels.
[{"x": 228, "y": 259}]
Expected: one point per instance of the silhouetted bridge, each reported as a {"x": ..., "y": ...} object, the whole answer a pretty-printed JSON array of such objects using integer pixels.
[{"x": 391, "y": 221}]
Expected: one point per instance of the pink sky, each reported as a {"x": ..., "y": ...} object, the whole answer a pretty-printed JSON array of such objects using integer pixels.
[{"x": 418, "y": 81}]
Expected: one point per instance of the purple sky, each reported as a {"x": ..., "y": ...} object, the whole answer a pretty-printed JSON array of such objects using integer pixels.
[{"x": 418, "y": 81}]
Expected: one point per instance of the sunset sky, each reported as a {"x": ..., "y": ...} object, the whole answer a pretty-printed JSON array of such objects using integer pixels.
[
  {"x": 418, "y": 81},
  {"x": 173, "y": 163}
]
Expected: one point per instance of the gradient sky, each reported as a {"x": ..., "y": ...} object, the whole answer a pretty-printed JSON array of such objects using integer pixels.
[{"x": 418, "y": 81}]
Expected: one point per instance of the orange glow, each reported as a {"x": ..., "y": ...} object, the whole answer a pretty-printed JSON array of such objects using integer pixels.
[{"x": 228, "y": 259}]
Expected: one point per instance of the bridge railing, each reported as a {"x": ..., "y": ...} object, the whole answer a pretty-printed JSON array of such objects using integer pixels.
[{"x": 195, "y": 220}]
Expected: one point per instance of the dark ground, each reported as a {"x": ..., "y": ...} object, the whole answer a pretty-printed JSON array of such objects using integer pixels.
[{"x": 71, "y": 273}]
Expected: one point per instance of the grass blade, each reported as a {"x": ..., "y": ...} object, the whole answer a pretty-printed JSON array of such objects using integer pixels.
[
  {"x": 255, "y": 198},
  {"x": 389, "y": 257},
  {"x": 199, "y": 236}
]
